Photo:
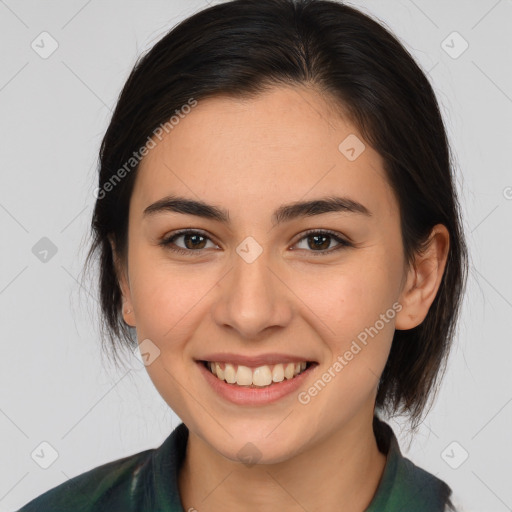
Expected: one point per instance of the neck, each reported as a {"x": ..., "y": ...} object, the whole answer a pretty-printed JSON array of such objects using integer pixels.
[{"x": 341, "y": 472}]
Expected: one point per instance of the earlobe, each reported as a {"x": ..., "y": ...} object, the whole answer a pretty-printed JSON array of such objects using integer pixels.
[
  {"x": 128, "y": 316},
  {"x": 423, "y": 279},
  {"x": 127, "y": 308}
]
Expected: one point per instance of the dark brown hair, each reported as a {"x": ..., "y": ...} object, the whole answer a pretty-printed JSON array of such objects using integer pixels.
[{"x": 243, "y": 47}]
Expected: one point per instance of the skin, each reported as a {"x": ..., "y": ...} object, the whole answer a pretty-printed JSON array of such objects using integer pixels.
[{"x": 250, "y": 157}]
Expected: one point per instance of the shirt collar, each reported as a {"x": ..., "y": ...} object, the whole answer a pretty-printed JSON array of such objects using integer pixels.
[{"x": 403, "y": 485}]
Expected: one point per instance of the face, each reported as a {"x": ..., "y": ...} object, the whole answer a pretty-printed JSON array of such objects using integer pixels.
[{"x": 256, "y": 288}]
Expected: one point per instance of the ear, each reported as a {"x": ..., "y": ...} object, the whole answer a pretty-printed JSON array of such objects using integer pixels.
[
  {"x": 423, "y": 279},
  {"x": 124, "y": 284}
]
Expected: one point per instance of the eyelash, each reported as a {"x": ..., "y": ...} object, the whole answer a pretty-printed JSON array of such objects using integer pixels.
[{"x": 168, "y": 241}]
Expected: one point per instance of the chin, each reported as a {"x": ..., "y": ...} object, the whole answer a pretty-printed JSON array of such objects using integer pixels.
[
  {"x": 260, "y": 452},
  {"x": 254, "y": 444}
]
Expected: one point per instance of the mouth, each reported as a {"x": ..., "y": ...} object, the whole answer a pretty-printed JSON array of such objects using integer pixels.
[{"x": 263, "y": 376}]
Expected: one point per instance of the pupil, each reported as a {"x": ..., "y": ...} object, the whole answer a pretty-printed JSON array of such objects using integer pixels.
[
  {"x": 317, "y": 238},
  {"x": 188, "y": 237}
]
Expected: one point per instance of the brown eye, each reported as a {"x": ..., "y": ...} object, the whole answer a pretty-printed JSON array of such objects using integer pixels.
[
  {"x": 193, "y": 241},
  {"x": 320, "y": 241}
]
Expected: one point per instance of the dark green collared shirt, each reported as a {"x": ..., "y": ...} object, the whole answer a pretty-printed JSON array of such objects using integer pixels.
[{"x": 148, "y": 482}]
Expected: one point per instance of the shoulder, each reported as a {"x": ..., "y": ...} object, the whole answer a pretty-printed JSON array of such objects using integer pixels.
[{"x": 107, "y": 487}]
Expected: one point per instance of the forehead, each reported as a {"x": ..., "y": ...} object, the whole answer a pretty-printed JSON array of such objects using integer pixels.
[{"x": 253, "y": 153}]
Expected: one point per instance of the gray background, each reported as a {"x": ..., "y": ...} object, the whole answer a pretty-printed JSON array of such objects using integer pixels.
[{"x": 56, "y": 385}]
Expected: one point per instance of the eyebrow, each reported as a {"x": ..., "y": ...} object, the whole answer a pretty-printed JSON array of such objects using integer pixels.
[{"x": 284, "y": 213}]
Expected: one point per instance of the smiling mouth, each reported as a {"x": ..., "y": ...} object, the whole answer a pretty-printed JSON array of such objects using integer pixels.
[{"x": 259, "y": 377}]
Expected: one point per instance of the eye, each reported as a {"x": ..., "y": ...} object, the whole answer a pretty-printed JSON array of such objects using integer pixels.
[
  {"x": 195, "y": 241},
  {"x": 322, "y": 240}
]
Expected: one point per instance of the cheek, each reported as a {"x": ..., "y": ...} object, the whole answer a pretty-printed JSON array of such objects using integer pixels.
[
  {"x": 357, "y": 307},
  {"x": 167, "y": 302},
  {"x": 351, "y": 297},
  {"x": 166, "y": 298}
]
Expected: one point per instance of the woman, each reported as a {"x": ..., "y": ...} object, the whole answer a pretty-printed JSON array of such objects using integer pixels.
[{"x": 278, "y": 231}]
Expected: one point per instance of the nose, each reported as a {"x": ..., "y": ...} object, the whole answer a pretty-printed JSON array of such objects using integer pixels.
[{"x": 253, "y": 299}]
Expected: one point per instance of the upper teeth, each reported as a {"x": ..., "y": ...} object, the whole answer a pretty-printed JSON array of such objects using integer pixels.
[{"x": 260, "y": 376}]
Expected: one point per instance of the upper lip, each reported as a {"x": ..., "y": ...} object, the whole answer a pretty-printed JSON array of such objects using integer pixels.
[{"x": 259, "y": 360}]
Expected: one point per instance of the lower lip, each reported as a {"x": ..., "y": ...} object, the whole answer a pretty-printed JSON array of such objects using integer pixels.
[{"x": 253, "y": 396}]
